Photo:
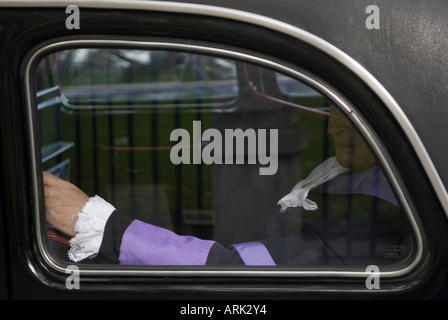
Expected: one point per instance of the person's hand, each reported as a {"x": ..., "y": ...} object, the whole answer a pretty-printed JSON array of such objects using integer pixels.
[{"x": 63, "y": 201}]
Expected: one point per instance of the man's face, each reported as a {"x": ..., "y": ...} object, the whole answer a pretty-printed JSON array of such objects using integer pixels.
[{"x": 351, "y": 149}]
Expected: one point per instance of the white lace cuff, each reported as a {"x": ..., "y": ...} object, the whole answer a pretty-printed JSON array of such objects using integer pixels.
[{"x": 89, "y": 229}]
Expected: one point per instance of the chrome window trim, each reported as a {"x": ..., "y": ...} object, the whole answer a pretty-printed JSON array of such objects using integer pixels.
[{"x": 217, "y": 271}]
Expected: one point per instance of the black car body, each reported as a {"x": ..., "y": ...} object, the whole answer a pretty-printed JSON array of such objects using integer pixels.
[{"x": 388, "y": 63}]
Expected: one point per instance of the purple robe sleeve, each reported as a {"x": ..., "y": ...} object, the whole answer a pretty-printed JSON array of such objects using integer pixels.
[
  {"x": 145, "y": 244},
  {"x": 254, "y": 254},
  {"x": 133, "y": 242}
]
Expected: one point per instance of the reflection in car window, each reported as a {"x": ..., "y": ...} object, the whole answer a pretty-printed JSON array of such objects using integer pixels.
[
  {"x": 212, "y": 161},
  {"x": 114, "y": 78}
]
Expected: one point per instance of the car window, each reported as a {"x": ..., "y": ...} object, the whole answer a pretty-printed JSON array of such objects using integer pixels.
[{"x": 265, "y": 168}]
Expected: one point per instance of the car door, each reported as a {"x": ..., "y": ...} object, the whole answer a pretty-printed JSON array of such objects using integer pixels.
[{"x": 117, "y": 99}]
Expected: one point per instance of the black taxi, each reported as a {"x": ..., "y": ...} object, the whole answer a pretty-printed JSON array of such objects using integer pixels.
[{"x": 233, "y": 149}]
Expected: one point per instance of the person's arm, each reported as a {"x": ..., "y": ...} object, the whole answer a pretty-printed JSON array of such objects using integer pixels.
[
  {"x": 97, "y": 230},
  {"x": 63, "y": 202},
  {"x": 129, "y": 241},
  {"x": 133, "y": 242},
  {"x": 71, "y": 211}
]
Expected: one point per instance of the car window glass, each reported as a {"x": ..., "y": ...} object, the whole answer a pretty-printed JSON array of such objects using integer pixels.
[
  {"x": 216, "y": 148},
  {"x": 119, "y": 79}
]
